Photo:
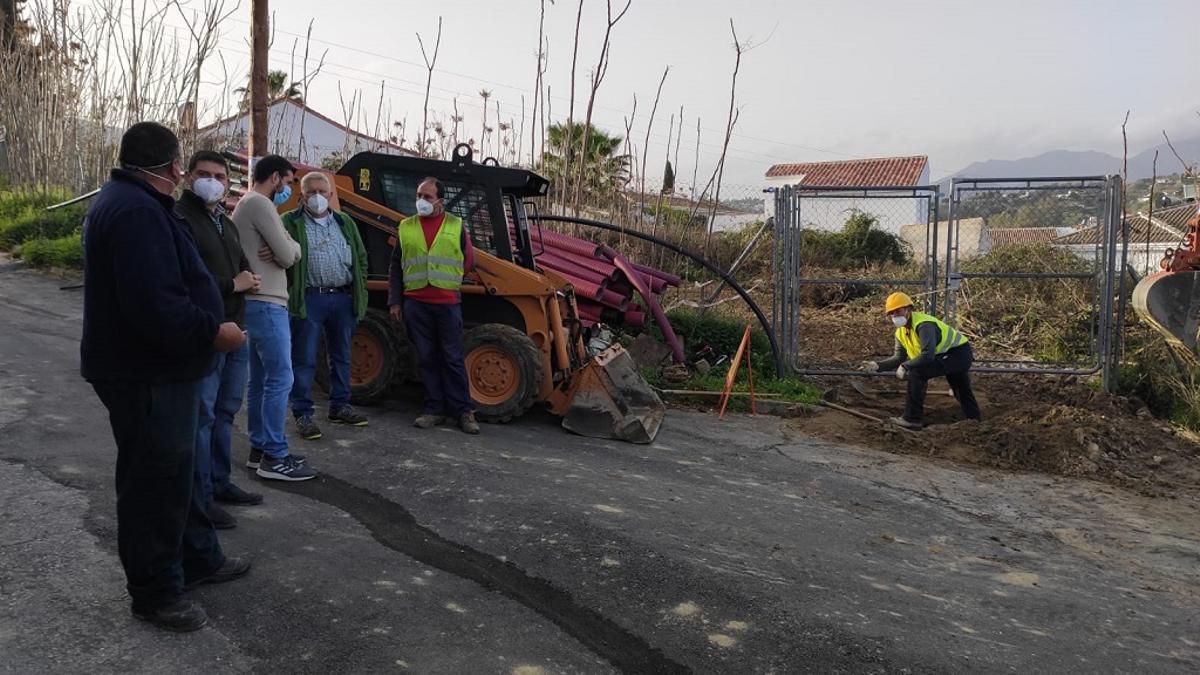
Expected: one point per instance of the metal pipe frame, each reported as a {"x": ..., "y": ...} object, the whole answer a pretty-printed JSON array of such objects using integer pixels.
[
  {"x": 762, "y": 319},
  {"x": 864, "y": 282},
  {"x": 1026, "y": 275},
  {"x": 1101, "y": 331},
  {"x": 789, "y": 201}
]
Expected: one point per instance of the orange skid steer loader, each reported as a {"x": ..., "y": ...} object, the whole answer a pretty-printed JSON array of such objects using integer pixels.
[{"x": 524, "y": 342}]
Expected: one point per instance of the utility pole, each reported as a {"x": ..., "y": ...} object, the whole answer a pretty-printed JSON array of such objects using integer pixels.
[{"x": 260, "y": 37}]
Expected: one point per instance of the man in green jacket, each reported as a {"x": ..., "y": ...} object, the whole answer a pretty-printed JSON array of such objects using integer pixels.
[{"x": 327, "y": 293}]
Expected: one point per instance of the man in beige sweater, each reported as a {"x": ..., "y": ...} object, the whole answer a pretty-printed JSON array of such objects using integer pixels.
[{"x": 270, "y": 251}]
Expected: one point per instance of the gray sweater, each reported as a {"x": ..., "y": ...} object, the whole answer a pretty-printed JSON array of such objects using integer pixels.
[
  {"x": 929, "y": 335},
  {"x": 258, "y": 224}
]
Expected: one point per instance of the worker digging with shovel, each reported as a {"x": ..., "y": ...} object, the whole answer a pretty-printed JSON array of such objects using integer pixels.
[{"x": 926, "y": 348}]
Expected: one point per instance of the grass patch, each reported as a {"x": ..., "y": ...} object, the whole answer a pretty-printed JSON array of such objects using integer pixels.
[
  {"x": 23, "y": 217},
  {"x": 789, "y": 390},
  {"x": 65, "y": 252},
  {"x": 723, "y": 334}
]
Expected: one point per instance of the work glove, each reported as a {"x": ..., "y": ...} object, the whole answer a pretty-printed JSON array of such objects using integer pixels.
[
  {"x": 870, "y": 367},
  {"x": 901, "y": 373}
]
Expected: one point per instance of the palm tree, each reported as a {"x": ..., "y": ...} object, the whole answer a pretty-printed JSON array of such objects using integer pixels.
[
  {"x": 603, "y": 169},
  {"x": 277, "y": 86}
]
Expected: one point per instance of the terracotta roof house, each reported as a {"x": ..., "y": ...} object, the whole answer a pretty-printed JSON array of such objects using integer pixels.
[
  {"x": 1148, "y": 240},
  {"x": 1176, "y": 216},
  {"x": 1025, "y": 236},
  {"x": 880, "y": 171},
  {"x": 301, "y": 133},
  {"x": 831, "y": 212}
]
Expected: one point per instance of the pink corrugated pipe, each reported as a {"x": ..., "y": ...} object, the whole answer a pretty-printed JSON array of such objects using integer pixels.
[
  {"x": 596, "y": 265},
  {"x": 671, "y": 279},
  {"x": 660, "y": 317},
  {"x": 567, "y": 267}
]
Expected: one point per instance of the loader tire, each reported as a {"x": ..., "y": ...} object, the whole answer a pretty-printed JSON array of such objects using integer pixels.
[
  {"x": 379, "y": 357},
  {"x": 504, "y": 371}
]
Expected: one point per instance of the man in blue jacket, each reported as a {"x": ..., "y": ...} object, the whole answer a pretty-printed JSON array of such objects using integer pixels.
[{"x": 151, "y": 330}]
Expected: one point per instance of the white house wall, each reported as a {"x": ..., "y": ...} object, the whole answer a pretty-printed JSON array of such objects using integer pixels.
[
  {"x": 1138, "y": 259},
  {"x": 831, "y": 213},
  {"x": 321, "y": 138}
]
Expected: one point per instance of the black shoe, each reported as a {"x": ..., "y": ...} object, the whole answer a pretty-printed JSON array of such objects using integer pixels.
[
  {"x": 233, "y": 568},
  {"x": 256, "y": 456},
  {"x": 221, "y": 519},
  {"x": 348, "y": 415},
  {"x": 285, "y": 468},
  {"x": 237, "y": 496},
  {"x": 307, "y": 428},
  {"x": 181, "y": 616}
]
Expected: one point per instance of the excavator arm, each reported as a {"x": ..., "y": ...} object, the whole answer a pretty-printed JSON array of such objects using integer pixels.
[{"x": 1169, "y": 300}]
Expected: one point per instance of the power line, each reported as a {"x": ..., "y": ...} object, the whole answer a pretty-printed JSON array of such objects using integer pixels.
[
  {"x": 523, "y": 90},
  {"x": 468, "y": 101}
]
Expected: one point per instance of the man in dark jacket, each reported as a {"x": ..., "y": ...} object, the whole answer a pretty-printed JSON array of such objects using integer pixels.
[
  {"x": 221, "y": 393},
  {"x": 151, "y": 330}
]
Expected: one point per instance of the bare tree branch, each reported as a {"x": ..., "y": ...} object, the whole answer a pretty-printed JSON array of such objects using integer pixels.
[
  {"x": 1188, "y": 169},
  {"x": 429, "y": 65},
  {"x": 646, "y": 148}
]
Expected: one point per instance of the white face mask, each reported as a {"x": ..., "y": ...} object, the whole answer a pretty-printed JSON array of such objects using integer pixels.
[
  {"x": 424, "y": 208},
  {"x": 317, "y": 204},
  {"x": 209, "y": 189},
  {"x": 899, "y": 321}
]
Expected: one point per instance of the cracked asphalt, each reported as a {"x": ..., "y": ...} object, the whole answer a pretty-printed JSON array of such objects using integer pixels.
[{"x": 737, "y": 546}]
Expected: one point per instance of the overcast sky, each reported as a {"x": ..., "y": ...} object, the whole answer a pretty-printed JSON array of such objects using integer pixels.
[{"x": 956, "y": 80}]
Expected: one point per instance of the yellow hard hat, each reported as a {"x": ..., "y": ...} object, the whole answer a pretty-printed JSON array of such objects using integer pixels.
[{"x": 897, "y": 301}]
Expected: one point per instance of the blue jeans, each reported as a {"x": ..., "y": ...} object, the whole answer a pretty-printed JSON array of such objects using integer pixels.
[
  {"x": 221, "y": 395},
  {"x": 333, "y": 314},
  {"x": 270, "y": 376},
  {"x": 436, "y": 332},
  {"x": 164, "y": 536}
]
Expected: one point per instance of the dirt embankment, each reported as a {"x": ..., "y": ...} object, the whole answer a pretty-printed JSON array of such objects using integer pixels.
[{"x": 1055, "y": 425}]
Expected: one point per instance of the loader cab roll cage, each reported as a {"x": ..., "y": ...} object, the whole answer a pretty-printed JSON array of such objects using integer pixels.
[{"x": 489, "y": 198}]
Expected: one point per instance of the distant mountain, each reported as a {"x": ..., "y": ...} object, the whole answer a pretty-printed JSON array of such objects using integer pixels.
[{"x": 1086, "y": 163}]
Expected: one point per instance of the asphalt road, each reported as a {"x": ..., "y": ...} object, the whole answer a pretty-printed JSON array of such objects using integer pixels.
[{"x": 741, "y": 546}]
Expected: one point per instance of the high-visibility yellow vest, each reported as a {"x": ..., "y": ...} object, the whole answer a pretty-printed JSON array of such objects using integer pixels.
[
  {"x": 907, "y": 335},
  {"x": 439, "y": 265}
]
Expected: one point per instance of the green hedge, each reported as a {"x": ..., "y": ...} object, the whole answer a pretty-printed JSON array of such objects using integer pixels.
[
  {"x": 62, "y": 252},
  {"x": 23, "y": 217}
]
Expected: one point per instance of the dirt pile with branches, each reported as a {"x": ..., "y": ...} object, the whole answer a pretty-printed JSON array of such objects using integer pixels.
[{"x": 1055, "y": 425}]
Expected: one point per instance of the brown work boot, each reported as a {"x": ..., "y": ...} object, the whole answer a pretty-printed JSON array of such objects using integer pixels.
[
  {"x": 468, "y": 424},
  {"x": 428, "y": 421}
]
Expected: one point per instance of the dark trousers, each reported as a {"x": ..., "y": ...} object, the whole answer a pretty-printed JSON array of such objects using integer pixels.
[
  {"x": 436, "y": 332},
  {"x": 164, "y": 537},
  {"x": 955, "y": 366},
  {"x": 331, "y": 314}
]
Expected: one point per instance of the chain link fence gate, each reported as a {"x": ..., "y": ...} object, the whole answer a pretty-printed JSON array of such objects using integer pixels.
[
  {"x": 1033, "y": 274},
  {"x": 818, "y": 299},
  {"x": 1030, "y": 269}
]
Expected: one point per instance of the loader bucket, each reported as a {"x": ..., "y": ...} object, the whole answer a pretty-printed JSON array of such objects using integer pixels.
[
  {"x": 609, "y": 399},
  {"x": 1170, "y": 302}
]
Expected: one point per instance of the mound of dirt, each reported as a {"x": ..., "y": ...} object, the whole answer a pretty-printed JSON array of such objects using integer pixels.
[{"x": 1057, "y": 426}]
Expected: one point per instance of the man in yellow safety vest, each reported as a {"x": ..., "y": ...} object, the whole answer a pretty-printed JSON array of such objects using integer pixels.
[
  {"x": 926, "y": 348},
  {"x": 433, "y": 250}
]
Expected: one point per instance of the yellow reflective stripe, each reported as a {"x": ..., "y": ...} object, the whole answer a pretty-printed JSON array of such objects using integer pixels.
[
  {"x": 432, "y": 260},
  {"x": 426, "y": 275}
]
